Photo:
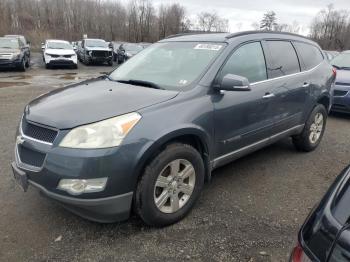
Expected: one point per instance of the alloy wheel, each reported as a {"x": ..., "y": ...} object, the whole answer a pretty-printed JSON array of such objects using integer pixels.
[
  {"x": 316, "y": 128},
  {"x": 174, "y": 186}
]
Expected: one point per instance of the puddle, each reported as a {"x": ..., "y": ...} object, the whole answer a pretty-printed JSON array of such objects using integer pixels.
[
  {"x": 10, "y": 84},
  {"x": 23, "y": 77},
  {"x": 70, "y": 77}
]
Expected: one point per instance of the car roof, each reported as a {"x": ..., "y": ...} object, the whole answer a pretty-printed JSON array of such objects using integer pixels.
[
  {"x": 95, "y": 39},
  {"x": 10, "y": 38},
  {"x": 56, "y": 40},
  {"x": 225, "y": 37},
  {"x": 346, "y": 52}
]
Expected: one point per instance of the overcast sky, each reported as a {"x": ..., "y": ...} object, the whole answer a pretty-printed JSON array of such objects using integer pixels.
[{"x": 242, "y": 13}]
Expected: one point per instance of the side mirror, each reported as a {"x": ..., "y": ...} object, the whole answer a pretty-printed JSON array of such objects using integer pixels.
[
  {"x": 42, "y": 47},
  {"x": 28, "y": 43},
  {"x": 232, "y": 82}
]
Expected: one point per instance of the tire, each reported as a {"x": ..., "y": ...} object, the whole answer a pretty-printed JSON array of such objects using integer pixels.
[
  {"x": 22, "y": 67},
  {"x": 182, "y": 157},
  {"x": 313, "y": 132},
  {"x": 47, "y": 66},
  {"x": 110, "y": 63},
  {"x": 27, "y": 64},
  {"x": 75, "y": 66}
]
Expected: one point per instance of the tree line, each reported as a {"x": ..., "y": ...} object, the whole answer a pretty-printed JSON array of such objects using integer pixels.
[
  {"x": 330, "y": 27},
  {"x": 135, "y": 21}
]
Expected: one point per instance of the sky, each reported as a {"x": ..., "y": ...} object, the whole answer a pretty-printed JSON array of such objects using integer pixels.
[{"x": 242, "y": 13}]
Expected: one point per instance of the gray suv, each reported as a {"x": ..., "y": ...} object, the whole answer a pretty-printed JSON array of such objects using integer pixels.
[{"x": 146, "y": 137}]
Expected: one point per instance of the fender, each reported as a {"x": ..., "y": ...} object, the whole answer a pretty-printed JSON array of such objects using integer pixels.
[{"x": 153, "y": 147}]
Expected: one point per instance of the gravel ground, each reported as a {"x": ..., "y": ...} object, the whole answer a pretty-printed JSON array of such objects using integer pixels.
[{"x": 250, "y": 211}]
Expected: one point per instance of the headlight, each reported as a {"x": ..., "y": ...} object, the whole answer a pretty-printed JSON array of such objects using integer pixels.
[
  {"x": 79, "y": 186},
  {"x": 103, "y": 134},
  {"x": 48, "y": 54},
  {"x": 16, "y": 55}
]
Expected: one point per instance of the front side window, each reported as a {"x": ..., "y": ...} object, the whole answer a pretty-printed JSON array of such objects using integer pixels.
[
  {"x": 284, "y": 60},
  {"x": 247, "y": 61},
  {"x": 169, "y": 65},
  {"x": 310, "y": 55}
]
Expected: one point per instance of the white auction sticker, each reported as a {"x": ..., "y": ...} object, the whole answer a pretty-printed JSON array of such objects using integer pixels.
[{"x": 208, "y": 47}]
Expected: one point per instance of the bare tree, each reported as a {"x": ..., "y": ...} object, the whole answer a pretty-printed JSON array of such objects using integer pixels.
[{"x": 211, "y": 22}]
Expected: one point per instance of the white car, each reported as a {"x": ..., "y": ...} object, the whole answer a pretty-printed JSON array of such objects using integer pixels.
[{"x": 59, "y": 53}]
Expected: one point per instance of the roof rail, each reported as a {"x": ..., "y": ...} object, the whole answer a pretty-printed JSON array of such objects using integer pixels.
[
  {"x": 193, "y": 33},
  {"x": 263, "y": 32}
]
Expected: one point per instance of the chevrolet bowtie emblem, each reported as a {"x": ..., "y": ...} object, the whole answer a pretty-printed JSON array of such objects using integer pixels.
[{"x": 19, "y": 140}]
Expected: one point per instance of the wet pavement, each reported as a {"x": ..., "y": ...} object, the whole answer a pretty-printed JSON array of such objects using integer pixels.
[{"x": 251, "y": 210}]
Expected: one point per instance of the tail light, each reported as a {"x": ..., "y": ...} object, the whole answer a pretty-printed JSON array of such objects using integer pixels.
[
  {"x": 298, "y": 255},
  {"x": 334, "y": 72}
]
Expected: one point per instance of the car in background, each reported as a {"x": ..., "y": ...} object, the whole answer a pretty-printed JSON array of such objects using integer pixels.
[
  {"x": 325, "y": 235},
  {"x": 330, "y": 54},
  {"x": 341, "y": 89},
  {"x": 95, "y": 51},
  {"x": 59, "y": 53},
  {"x": 24, "y": 40},
  {"x": 145, "y": 137},
  {"x": 126, "y": 51},
  {"x": 75, "y": 46},
  {"x": 13, "y": 54},
  {"x": 145, "y": 44}
]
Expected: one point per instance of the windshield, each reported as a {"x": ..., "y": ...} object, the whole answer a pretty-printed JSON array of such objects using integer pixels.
[
  {"x": 9, "y": 43},
  {"x": 96, "y": 43},
  {"x": 342, "y": 61},
  {"x": 59, "y": 45},
  {"x": 172, "y": 65},
  {"x": 131, "y": 47}
]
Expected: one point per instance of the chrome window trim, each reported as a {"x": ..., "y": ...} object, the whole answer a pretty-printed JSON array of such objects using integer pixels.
[{"x": 281, "y": 77}]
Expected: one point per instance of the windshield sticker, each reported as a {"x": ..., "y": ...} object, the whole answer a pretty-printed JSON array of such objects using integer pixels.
[
  {"x": 208, "y": 47},
  {"x": 183, "y": 82}
]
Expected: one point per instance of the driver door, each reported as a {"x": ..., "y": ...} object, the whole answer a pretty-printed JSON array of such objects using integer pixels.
[{"x": 243, "y": 118}]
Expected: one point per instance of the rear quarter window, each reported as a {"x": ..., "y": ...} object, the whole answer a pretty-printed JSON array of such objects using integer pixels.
[{"x": 310, "y": 55}]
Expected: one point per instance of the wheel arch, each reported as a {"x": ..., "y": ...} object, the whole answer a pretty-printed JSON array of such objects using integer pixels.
[{"x": 195, "y": 137}]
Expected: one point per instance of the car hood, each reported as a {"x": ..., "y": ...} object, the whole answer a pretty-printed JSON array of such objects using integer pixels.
[
  {"x": 60, "y": 51},
  {"x": 343, "y": 76},
  {"x": 88, "y": 48},
  {"x": 8, "y": 51},
  {"x": 92, "y": 101}
]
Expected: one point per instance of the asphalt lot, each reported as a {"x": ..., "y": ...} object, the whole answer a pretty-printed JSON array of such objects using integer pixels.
[{"x": 251, "y": 210}]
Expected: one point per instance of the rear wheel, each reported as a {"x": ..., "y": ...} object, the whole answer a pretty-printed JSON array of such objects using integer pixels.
[
  {"x": 170, "y": 185},
  {"x": 313, "y": 131}
]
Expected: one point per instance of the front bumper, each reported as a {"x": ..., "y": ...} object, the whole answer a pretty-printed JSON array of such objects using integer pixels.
[
  {"x": 61, "y": 61},
  {"x": 7, "y": 63},
  {"x": 45, "y": 164},
  {"x": 341, "y": 103}
]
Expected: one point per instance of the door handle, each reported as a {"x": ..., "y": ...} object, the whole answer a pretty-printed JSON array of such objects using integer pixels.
[
  {"x": 268, "y": 95},
  {"x": 306, "y": 84}
]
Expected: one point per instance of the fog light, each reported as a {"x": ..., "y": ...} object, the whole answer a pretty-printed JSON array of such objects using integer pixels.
[{"x": 80, "y": 186}]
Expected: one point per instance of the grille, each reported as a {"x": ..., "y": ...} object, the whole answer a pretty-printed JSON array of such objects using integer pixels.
[
  {"x": 55, "y": 56},
  {"x": 100, "y": 53},
  {"x": 342, "y": 84},
  {"x": 339, "y": 92},
  {"x": 67, "y": 56},
  {"x": 30, "y": 157},
  {"x": 38, "y": 132}
]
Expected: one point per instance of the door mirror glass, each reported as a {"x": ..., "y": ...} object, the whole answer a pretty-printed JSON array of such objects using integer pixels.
[{"x": 232, "y": 82}]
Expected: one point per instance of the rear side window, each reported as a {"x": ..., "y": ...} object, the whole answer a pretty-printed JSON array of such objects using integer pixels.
[
  {"x": 310, "y": 55},
  {"x": 247, "y": 61},
  {"x": 284, "y": 60}
]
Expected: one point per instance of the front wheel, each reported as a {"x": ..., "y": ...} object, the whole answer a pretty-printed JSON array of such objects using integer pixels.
[
  {"x": 22, "y": 66},
  {"x": 170, "y": 185},
  {"x": 313, "y": 131}
]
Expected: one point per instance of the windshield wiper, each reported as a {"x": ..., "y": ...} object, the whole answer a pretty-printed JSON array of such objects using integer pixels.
[{"x": 136, "y": 82}]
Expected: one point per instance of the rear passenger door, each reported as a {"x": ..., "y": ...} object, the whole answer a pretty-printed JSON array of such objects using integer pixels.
[{"x": 289, "y": 87}]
